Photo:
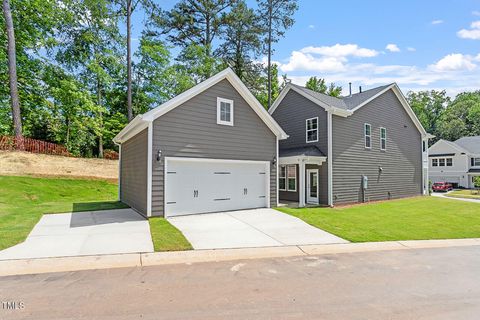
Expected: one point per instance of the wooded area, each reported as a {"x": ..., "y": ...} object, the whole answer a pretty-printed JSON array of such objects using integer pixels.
[{"x": 70, "y": 76}]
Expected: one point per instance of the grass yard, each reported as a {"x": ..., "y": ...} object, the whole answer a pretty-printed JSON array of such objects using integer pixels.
[
  {"x": 166, "y": 237},
  {"x": 23, "y": 200},
  {"x": 405, "y": 219},
  {"x": 467, "y": 194}
]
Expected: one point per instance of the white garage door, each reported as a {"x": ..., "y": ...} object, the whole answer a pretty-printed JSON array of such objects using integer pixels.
[{"x": 199, "y": 186}]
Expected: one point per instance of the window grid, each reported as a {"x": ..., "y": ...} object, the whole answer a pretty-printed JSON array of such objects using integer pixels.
[{"x": 368, "y": 135}]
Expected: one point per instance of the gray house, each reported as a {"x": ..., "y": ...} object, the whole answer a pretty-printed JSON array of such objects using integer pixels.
[
  {"x": 362, "y": 147},
  {"x": 212, "y": 148}
]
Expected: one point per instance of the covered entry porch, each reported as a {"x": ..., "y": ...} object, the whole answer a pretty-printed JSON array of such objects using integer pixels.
[{"x": 302, "y": 177}]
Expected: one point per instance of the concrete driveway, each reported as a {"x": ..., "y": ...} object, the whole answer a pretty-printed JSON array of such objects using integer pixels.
[
  {"x": 249, "y": 228},
  {"x": 84, "y": 233}
]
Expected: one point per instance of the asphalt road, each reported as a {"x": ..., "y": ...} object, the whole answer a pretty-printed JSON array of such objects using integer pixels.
[{"x": 411, "y": 284}]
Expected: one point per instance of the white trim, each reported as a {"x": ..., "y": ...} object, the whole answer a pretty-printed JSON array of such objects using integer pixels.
[
  {"x": 296, "y": 178},
  {"x": 365, "y": 135},
  {"x": 228, "y": 74},
  {"x": 277, "y": 164},
  {"x": 119, "y": 172},
  {"x": 279, "y": 177},
  {"x": 167, "y": 159},
  {"x": 383, "y": 149},
  {"x": 307, "y": 159},
  {"x": 289, "y": 86},
  {"x": 308, "y": 186},
  {"x": 219, "y": 116},
  {"x": 330, "y": 158},
  {"x": 301, "y": 184},
  {"x": 306, "y": 129},
  {"x": 149, "y": 169}
]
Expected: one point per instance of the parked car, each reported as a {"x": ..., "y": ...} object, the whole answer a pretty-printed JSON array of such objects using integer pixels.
[{"x": 442, "y": 186}]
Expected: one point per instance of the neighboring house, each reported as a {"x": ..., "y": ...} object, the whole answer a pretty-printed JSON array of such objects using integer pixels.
[
  {"x": 366, "y": 146},
  {"x": 455, "y": 162},
  {"x": 212, "y": 148}
]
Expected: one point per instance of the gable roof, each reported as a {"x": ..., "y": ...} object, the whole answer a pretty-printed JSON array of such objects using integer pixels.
[
  {"x": 449, "y": 144},
  {"x": 142, "y": 121},
  {"x": 346, "y": 106},
  {"x": 470, "y": 144}
]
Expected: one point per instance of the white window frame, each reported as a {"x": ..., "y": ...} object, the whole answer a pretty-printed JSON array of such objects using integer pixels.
[
  {"x": 219, "y": 103},
  {"x": 475, "y": 162},
  {"x": 367, "y": 135},
  {"x": 307, "y": 130},
  {"x": 294, "y": 167},
  {"x": 381, "y": 139},
  {"x": 435, "y": 160},
  {"x": 446, "y": 162},
  {"x": 440, "y": 160},
  {"x": 284, "y": 177}
]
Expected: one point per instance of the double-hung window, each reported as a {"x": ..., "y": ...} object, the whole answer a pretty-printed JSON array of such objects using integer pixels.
[
  {"x": 475, "y": 162},
  {"x": 368, "y": 136},
  {"x": 291, "y": 178},
  {"x": 311, "y": 129},
  {"x": 434, "y": 162},
  {"x": 383, "y": 139},
  {"x": 225, "y": 111},
  {"x": 449, "y": 162},
  {"x": 441, "y": 162},
  {"x": 282, "y": 178}
]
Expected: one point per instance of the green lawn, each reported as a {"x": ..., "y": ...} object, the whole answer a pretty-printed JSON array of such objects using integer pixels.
[
  {"x": 166, "y": 237},
  {"x": 406, "y": 219},
  {"x": 467, "y": 194},
  {"x": 23, "y": 200}
]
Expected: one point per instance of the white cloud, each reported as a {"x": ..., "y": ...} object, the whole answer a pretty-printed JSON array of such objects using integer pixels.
[
  {"x": 392, "y": 47},
  {"x": 437, "y": 22},
  {"x": 411, "y": 49},
  {"x": 476, "y": 13},
  {"x": 454, "y": 62},
  {"x": 311, "y": 26},
  {"x": 302, "y": 61},
  {"x": 341, "y": 50},
  {"x": 472, "y": 33}
]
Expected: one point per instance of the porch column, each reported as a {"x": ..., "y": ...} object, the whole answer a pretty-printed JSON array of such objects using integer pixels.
[{"x": 301, "y": 183}]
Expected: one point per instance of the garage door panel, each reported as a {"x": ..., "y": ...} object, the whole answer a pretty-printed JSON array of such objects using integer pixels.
[{"x": 204, "y": 186}]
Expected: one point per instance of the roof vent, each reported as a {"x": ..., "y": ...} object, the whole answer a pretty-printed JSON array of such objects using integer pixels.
[
  {"x": 360, "y": 89},
  {"x": 350, "y": 88}
]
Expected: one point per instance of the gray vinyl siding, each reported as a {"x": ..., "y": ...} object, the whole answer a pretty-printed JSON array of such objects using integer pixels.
[
  {"x": 133, "y": 172},
  {"x": 191, "y": 130},
  {"x": 291, "y": 115},
  {"x": 322, "y": 185},
  {"x": 401, "y": 162},
  {"x": 290, "y": 195}
]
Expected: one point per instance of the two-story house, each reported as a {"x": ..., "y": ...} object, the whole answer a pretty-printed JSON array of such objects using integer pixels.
[
  {"x": 455, "y": 162},
  {"x": 362, "y": 147}
]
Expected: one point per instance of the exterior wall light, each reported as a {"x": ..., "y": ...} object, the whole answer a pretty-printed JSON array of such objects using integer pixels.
[
  {"x": 159, "y": 155},
  {"x": 274, "y": 160}
]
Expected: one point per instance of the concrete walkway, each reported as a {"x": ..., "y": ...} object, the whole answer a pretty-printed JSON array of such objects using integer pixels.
[
  {"x": 442, "y": 195},
  {"x": 84, "y": 233},
  {"x": 249, "y": 228}
]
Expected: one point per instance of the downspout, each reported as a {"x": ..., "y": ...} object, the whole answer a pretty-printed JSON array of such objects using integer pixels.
[
  {"x": 149, "y": 168},
  {"x": 329, "y": 159},
  {"x": 119, "y": 169}
]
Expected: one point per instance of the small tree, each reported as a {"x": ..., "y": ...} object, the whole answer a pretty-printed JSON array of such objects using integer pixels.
[{"x": 476, "y": 182}]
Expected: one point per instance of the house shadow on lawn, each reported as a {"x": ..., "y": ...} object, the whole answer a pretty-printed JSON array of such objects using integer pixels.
[{"x": 98, "y": 213}]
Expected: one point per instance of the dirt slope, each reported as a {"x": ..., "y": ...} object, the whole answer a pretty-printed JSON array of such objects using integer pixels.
[{"x": 25, "y": 163}]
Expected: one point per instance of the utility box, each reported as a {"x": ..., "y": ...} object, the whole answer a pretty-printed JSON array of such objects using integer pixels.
[{"x": 364, "y": 182}]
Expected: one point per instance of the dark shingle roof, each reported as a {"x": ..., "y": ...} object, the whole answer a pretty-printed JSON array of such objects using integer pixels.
[
  {"x": 348, "y": 102},
  {"x": 471, "y": 144},
  {"x": 309, "y": 151}
]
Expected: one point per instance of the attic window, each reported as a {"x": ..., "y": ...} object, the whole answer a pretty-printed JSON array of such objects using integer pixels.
[{"x": 224, "y": 111}]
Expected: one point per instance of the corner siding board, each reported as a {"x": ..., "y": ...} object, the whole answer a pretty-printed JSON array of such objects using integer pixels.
[
  {"x": 291, "y": 115},
  {"x": 133, "y": 172},
  {"x": 401, "y": 162},
  {"x": 191, "y": 131}
]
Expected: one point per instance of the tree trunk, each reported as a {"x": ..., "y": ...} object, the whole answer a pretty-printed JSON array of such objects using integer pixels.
[
  {"x": 100, "y": 136},
  {"x": 269, "y": 54},
  {"x": 12, "y": 72},
  {"x": 129, "y": 62}
]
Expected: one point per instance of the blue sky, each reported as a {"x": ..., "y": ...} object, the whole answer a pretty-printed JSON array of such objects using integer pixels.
[{"x": 418, "y": 44}]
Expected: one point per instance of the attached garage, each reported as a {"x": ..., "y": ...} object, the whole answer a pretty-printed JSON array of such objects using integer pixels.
[
  {"x": 213, "y": 148},
  {"x": 213, "y": 185}
]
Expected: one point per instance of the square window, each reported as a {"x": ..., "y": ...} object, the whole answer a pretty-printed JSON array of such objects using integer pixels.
[
  {"x": 441, "y": 162},
  {"x": 434, "y": 162},
  {"x": 449, "y": 162},
  {"x": 224, "y": 111}
]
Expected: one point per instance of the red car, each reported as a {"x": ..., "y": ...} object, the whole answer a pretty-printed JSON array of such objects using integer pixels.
[{"x": 442, "y": 186}]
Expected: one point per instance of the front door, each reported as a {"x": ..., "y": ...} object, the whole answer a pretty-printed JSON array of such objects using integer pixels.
[{"x": 312, "y": 186}]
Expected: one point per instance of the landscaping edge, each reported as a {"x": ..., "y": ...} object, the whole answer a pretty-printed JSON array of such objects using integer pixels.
[{"x": 66, "y": 264}]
